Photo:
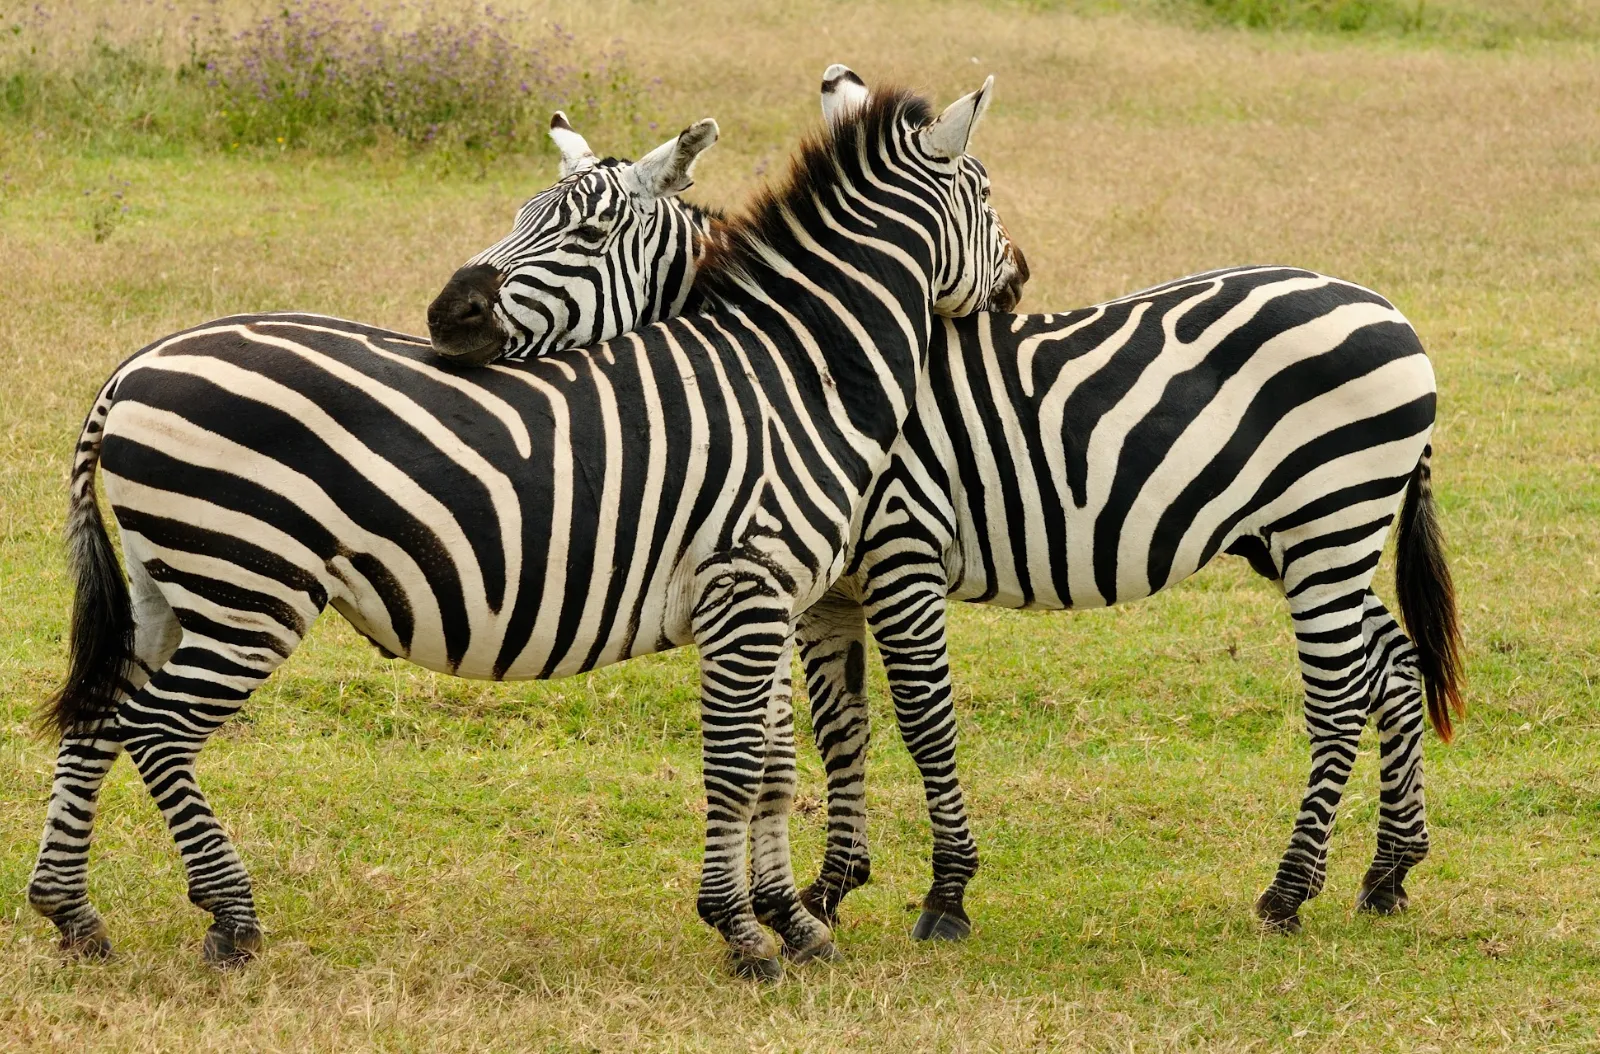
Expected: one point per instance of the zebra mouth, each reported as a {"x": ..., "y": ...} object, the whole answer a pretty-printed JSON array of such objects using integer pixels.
[
  {"x": 479, "y": 355},
  {"x": 1008, "y": 293},
  {"x": 461, "y": 319}
]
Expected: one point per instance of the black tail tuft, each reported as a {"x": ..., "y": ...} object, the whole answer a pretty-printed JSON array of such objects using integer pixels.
[
  {"x": 102, "y": 618},
  {"x": 1428, "y": 600}
]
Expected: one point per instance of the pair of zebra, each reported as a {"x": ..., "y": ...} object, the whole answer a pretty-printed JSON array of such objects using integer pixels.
[{"x": 812, "y": 451}]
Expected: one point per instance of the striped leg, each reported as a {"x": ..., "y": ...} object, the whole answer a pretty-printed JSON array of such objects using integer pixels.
[
  {"x": 777, "y": 901},
  {"x": 741, "y": 624},
  {"x": 237, "y": 627},
  {"x": 1402, "y": 814},
  {"x": 1326, "y": 587},
  {"x": 163, "y": 727},
  {"x": 833, "y": 649},
  {"x": 908, "y": 622},
  {"x": 59, "y": 886}
]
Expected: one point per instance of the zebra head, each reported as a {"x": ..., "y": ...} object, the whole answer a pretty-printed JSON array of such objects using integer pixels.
[
  {"x": 605, "y": 250},
  {"x": 978, "y": 265}
]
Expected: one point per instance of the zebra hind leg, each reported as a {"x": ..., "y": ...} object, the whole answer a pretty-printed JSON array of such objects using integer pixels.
[
  {"x": 234, "y": 635},
  {"x": 1402, "y": 813},
  {"x": 58, "y": 888},
  {"x": 908, "y": 622},
  {"x": 832, "y": 637},
  {"x": 776, "y": 901},
  {"x": 163, "y": 727},
  {"x": 1326, "y": 584}
]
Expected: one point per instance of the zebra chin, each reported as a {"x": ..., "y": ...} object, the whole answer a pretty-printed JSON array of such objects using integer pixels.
[
  {"x": 461, "y": 320},
  {"x": 1007, "y": 293}
]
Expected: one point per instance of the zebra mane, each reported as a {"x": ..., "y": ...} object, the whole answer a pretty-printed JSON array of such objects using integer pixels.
[{"x": 839, "y": 152}]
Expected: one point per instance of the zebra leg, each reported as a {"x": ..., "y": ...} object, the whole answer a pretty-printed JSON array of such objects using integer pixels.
[
  {"x": 833, "y": 650},
  {"x": 163, "y": 727},
  {"x": 773, "y": 893},
  {"x": 908, "y": 622},
  {"x": 58, "y": 888},
  {"x": 1402, "y": 814},
  {"x": 741, "y": 623},
  {"x": 1326, "y": 607}
]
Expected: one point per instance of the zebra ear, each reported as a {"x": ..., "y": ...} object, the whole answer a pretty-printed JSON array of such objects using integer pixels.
[
  {"x": 842, "y": 92},
  {"x": 575, "y": 153},
  {"x": 665, "y": 171},
  {"x": 948, "y": 136}
]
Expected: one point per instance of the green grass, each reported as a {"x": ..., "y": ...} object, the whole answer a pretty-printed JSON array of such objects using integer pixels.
[
  {"x": 447, "y": 865},
  {"x": 1473, "y": 23}
]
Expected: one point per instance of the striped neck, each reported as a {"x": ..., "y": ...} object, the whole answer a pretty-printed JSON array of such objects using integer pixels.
[{"x": 842, "y": 256}]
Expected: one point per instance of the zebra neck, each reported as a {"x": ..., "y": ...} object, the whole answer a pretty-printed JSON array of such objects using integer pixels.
[
  {"x": 858, "y": 323},
  {"x": 664, "y": 275}
]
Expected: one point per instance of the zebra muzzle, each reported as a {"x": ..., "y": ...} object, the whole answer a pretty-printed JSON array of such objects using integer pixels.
[
  {"x": 461, "y": 319},
  {"x": 1008, "y": 293}
]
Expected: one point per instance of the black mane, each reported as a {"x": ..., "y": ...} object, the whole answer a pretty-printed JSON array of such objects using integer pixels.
[{"x": 825, "y": 159}]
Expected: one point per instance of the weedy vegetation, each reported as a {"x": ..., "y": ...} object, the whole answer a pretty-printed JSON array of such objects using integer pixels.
[
  {"x": 320, "y": 74},
  {"x": 445, "y": 865}
]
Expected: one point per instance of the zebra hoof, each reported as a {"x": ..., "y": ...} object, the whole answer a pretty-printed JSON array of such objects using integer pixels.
[
  {"x": 227, "y": 946},
  {"x": 821, "y": 951},
  {"x": 1383, "y": 898},
  {"x": 1277, "y": 912},
  {"x": 941, "y": 926},
  {"x": 95, "y": 944},
  {"x": 755, "y": 957},
  {"x": 752, "y": 967},
  {"x": 825, "y": 907}
]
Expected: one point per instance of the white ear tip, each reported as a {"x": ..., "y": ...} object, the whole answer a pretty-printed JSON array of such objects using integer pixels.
[
  {"x": 706, "y": 128},
  {"x": 840, "y": 76},
  {"x": 558, "y": 120}
]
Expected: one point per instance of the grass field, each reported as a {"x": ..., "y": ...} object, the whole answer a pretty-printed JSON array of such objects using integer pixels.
[{"x": 448, "y": 865}]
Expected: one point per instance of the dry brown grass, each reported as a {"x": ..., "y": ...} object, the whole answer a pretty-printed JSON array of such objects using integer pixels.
[{"x": 445, "y": 866}]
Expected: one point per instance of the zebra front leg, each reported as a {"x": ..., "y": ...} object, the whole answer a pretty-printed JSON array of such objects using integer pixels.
[
  {"x": 832, "y": 636},
  {"x": 1402, "y": 813},
  {"x": 1328, "y": 635},
  {"x": 58, "y": 888},
  {"x": 741, "y": 623},
  {"x": 773, "y": 893},
  {"x": 908, "y": 622}
]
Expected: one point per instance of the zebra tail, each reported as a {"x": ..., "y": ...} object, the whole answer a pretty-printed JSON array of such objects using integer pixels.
[
  {"x": 1428, "y": 599},
  {"x": 102, "y": 618}
]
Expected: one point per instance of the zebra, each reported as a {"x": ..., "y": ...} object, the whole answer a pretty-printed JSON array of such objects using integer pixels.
[
  {"x": 609, "y": 248},
  {"x": 262, "y": 468},
  {"x": 1096, "y": 456}
]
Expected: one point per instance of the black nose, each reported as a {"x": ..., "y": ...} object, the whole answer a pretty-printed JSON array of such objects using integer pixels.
[{"x": 461, "y": 318}]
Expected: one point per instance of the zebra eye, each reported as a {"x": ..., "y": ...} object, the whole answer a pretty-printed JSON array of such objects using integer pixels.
[
  {"x": 985, "y": 192},
  {"x": 590, "y": 233}
]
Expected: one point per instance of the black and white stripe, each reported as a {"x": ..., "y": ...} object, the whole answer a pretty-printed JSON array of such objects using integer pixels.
[{"x": 262, "y": 468}]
